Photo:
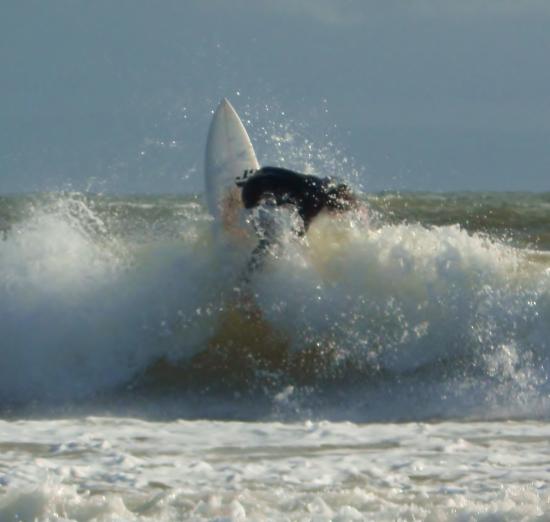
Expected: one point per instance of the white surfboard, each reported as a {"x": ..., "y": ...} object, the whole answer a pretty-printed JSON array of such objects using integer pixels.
[{"x": 229, "y": 157}]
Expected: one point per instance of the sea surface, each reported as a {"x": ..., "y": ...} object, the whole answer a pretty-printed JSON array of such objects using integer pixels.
[{"x": 393, "y": 365}]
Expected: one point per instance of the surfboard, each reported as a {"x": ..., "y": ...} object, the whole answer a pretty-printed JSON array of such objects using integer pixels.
[{"x": 229, "y": 157}]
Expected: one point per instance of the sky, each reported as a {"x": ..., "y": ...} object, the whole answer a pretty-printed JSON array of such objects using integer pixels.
[{"x": 117, "y": 95}]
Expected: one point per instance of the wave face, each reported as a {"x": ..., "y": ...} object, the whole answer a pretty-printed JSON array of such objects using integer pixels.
[{"x": 438, "y": 306}]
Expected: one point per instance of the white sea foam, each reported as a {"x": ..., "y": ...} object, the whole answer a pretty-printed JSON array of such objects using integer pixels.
[{"x": 123, "y": 469}]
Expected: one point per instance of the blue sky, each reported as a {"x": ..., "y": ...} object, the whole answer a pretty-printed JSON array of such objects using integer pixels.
[{"x": 116, "y": 95}]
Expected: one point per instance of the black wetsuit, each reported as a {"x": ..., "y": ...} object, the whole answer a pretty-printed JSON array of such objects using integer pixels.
[{"x": 307, "y": 193}]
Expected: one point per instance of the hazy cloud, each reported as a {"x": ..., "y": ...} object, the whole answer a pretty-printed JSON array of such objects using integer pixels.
[
  {"x": 352, "y": 12},
  {"x": 481, "y": 7}
]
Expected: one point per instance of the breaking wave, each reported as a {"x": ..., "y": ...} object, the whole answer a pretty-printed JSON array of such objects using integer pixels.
[{"x": 110, "y": 300}]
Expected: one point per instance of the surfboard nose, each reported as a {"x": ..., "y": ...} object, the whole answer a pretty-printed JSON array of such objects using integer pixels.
[
  {"x": 226, "y": 107},
  {"x": 229, "y": 153}
]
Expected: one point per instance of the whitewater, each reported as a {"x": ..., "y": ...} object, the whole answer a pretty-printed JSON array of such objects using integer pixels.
[{"x": 394, "y": 365}]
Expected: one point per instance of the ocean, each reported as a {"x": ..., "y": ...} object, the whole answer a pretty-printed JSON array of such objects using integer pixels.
[{"x": 392, "y": 365}]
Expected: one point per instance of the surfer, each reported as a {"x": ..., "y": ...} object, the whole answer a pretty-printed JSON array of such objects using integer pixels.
[{"x": 271, "y": 187}]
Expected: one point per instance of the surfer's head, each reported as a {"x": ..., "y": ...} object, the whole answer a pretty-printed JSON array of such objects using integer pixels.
[{"x": 339, "y": 197}]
